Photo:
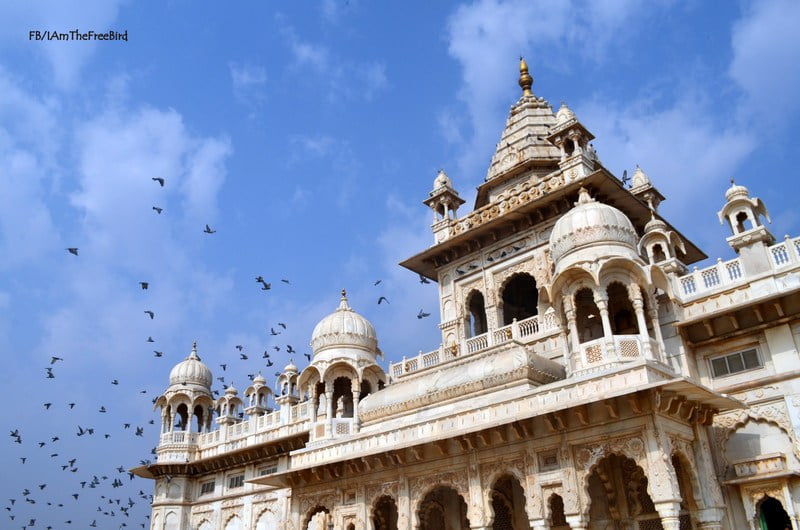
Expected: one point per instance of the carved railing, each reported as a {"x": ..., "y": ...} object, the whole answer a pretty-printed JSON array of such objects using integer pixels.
[
  {"x": 617, "y": 349},
  {"x": 761, "y": 465},
  {"x": 723, "y": 273},
  {"x": 526, "y": 330}
]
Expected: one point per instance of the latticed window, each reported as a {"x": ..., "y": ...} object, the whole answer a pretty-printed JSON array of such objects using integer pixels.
[
  {"x": 735, "y": 362},
  {"x": 207, "y": 488},
  {"x": 235, "y": 481}
]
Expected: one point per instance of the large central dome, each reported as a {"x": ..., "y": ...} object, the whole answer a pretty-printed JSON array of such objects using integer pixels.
[
  {"x": 590, "y": 223},
  {"x": 191, "y": 371},
  {"x": 344, "y": 328}
]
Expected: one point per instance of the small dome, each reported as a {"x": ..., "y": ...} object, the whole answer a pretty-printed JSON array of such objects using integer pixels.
[
  {"x": 259, "y": 380},
  {"x": 442, "y": 180},
  {"x": 564, "y": 114},
  {"x": 344, "y": 327},
  {"x": 655, "y": 224},
  {"x": 231, "y": 390},
  {"x": 590, "y": 222},
  {"x": 291, "y": 367},
  {"x": 736, "y": 192},
  {"x": 191, "y": 371}
]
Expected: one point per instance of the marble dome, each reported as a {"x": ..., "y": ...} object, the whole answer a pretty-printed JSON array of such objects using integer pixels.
[
  {"x": 191, "y": 371},
  {"x": 736, "y": 192},
  {"x": 344, "y": 328},
  {"x": 588, "y": 223}
]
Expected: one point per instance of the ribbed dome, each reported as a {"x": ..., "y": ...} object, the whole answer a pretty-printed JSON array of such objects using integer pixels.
[
  {"x": 442, "y": 180},
  {"x": 191, "y": 370},
  {"x": 655, "y": 224},
  {"x": 736, "y": 192},
  {"x": 291, "y": 367},
  {"x": 590, "y": 222},
  {"x": 259, "y": 380},
  {"x": 343, "y": 327}
]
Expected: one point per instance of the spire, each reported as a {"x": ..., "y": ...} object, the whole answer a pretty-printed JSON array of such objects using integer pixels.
[
  {"x": 343, "y": 305},
  {"x": 525, "y": 79},
  {"x": 193, "y": 354}
]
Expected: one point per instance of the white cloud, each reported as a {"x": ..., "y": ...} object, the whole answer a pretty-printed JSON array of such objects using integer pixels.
[
  {"x": 67, "y": 59},
  {"x": 766, "y": 61},
  {"x": 486, "y": 36},
  {"x": 340, "y": 77},
  {"x": 29, "y": 134},
  {"x": 248, "y": 82}
]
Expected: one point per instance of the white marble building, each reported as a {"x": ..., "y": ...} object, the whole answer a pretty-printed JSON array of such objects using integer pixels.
[{"x": 587, "y": 377}]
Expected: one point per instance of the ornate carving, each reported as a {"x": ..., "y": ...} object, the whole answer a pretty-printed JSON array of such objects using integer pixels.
[
  {"x": 312, "y": 500},
  {"x": 376, "y": 491},
  {"x": 774, "y": 412},
  {"x": 456, "y": 479},
  {"x": 630, "y": 446}
]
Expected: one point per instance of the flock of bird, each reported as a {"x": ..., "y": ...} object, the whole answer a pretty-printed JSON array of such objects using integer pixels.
[{"x": 118, "y": 500}]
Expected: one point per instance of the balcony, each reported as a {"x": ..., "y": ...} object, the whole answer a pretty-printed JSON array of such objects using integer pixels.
[
  {"x": 618, "y": 349},
  {"x": 782, "y": 256},
  {"x": 524, "y": 331},
  {"x": 762, "y": 465}
]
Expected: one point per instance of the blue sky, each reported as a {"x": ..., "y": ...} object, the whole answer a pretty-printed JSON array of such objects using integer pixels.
[{"x": 306, "y": 134}]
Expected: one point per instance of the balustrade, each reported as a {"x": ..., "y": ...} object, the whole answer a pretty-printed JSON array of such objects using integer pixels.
[
  {"x": 523, "y": 331},
  {"x": 622, "y": 348}
]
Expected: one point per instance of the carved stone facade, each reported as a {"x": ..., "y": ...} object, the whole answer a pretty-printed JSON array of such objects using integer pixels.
[{"x": 609, "y": 389}]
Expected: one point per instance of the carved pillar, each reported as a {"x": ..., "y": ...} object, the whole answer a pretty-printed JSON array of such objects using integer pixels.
[
  {"x": 403, "y": 505},
  {"x": 602, "y": 306},
  {"x": 475, "y": 509},
  {"x": 539, "y": 524},
  {"x": 638, "y": 308},
  {"x": 653, "y": 314},
  {"x": 356, "y": 420},
  {"x": 661, "y": 478},
  {"x": 329, "y": 419},
  {"x": 314, "y": 404},
  {"x": 712, "y": 501},
  {"x": 578, "y": 522}
]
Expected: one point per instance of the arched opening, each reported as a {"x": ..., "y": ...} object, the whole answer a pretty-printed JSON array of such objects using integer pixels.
[
  {"x": 555, "y": 508},
  {"x": 569, "y": 147},
  {"x": 181, "y": 417},
  {"x": 618, "y": 496},
  {"x": 590, "y": 327},
  {"x": 166, "y": 420},
  {"x": 366, "y": 389},
  {"x": 743, "y": 222},
  {"x": 688, "y": 502},
  {"x": 476, "y": 308},
  {"x": 658, "y": 253},
  {"x": 351, "y": 526},
  {"x": 384, "y": 514},
  {"x": 234, "y": 523},
  {"x": 267, "y": 521},
  {"x": 199, "y": 416},
  {"x": 508, "y": 505},
  {"x": 342, "y": 398},
  {"x": 772, "y": 515},
  {"x": 322, "y": 405},
  {"x": 520, "y": 298},
  {"x": 623, "y": 319},
  {"x": 443, "y": 509},
  {"x": 317, "y": 519}
]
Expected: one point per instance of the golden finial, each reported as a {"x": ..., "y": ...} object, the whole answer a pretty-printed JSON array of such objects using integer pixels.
[{"x": 525, "y": 79}]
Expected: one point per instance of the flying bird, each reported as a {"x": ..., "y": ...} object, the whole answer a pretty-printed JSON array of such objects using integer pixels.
[
  {"x": 377, "y": 282},
  {"x": 273, "y": 332},
  {"x": 150, "y": 339},
  {"x": 281, "y": 324},
  {"x": 114, "y": 382},
  {"x": 269, "y": 363},
  {"x": 208, "y": 230},
  {"x": 144, "y": 285},
  {"x": 73, "y": 250},
  {"x": 158, "y": 210},
  {"x": 54, "y": 359},
  {"x": 243, "y": 356},
  {"x": 47, "y": 406},
  {"x": 50, "y": 373},
  {"x": 150, "y": 314},
  {"x": 308, "y": 356},
  {"x": 423, "y": 279},
  {"x": 158, "y": 353},
  {"x": 382, "y": 299},
  {"x": 266, "y": 355},
  {"x": 289, "y": 349},
  {"x": 159, "y": 180},
  {"x": 264, "y": 285},
  {"x": 285, "y": 281},
  {"x": 223, "y": 366},
  {"x": 422, "y": 314},
  {"x": 625, "y": 178}
]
